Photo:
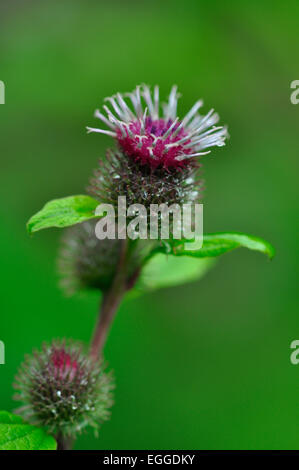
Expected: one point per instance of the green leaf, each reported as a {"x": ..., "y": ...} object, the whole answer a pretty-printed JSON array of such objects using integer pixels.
[
  {"x": 15, "y": 434},
  {"x": 168, "y": 271},
  {"x": 216, "y": 244},
  {"x": 63, "y": 212}
]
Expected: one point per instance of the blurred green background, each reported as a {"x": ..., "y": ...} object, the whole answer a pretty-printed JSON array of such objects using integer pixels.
[{"x": 205, "y": 365}]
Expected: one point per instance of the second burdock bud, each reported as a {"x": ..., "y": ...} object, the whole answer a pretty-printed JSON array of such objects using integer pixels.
[
  {"x": 85, "y": 262},
  {"x": 63, "y": 390}
]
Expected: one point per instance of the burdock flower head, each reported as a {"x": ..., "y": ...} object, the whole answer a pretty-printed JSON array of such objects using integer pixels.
[
  {"x": 63, "y": 390},
  {"x": 158, "y": 138},
  {"x": 156, "y": 161}
]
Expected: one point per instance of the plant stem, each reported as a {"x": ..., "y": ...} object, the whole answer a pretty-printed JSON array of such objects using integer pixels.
[
  {"x": 63, "y": 442},
  {"x": 111, "y": 301}
]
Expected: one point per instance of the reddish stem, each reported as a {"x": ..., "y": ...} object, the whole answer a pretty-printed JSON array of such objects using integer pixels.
[{"x": 110, "y": 303}]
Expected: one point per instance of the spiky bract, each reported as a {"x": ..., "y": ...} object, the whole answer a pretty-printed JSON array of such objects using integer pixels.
[{"x": 119, "y": 176}]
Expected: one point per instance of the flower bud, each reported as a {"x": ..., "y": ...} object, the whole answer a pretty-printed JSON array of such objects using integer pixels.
[
  {"x": 63, "y": 390},
  {"x": 86, "y": 262}
]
